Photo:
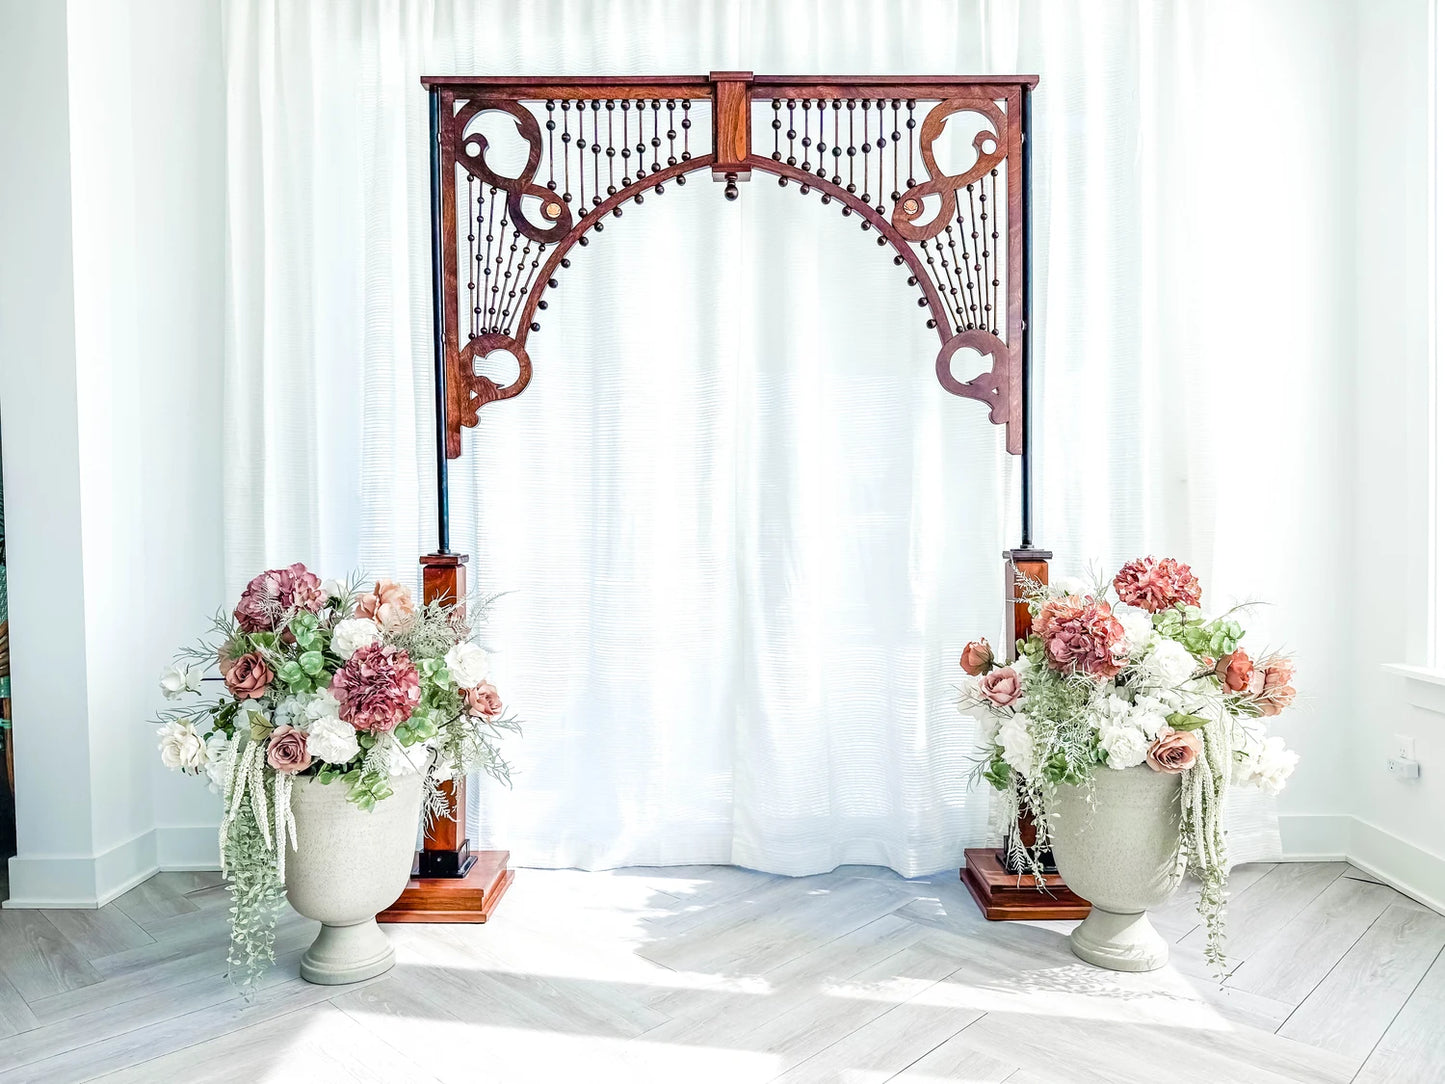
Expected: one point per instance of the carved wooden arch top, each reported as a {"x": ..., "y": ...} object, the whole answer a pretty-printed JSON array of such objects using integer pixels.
[{"x": 585, "y": 149}]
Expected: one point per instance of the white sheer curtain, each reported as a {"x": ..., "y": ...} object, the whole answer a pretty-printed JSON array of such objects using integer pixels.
[{"x": 745, "y": 531}]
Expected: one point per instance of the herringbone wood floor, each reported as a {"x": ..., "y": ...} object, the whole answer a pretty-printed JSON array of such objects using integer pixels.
[{"x": 721, "y": 974}]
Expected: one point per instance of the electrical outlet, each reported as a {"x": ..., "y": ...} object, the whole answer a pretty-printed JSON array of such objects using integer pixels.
[
  {"x": 1403, "y": 768},
  {"x": 1404, "y": 747}
]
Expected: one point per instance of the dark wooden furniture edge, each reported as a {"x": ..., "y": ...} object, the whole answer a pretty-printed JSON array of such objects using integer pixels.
[{"x": 1005, "y": 896}]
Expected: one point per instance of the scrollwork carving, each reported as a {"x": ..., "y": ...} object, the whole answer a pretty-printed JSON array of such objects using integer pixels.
[
  {"x": 910, "y": 206},
  {"x": 522, "y": 186},
  {"x": 475, "y": 390},
  {"x": 994, "y": 387}
]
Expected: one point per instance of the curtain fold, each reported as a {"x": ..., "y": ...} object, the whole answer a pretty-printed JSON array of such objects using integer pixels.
[{"x": 744, "y": 531}]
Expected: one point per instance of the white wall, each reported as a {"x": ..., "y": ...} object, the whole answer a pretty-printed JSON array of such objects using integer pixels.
[
  {"x": 1388, "y": 825},
  {"x": 133, "y": 146}
]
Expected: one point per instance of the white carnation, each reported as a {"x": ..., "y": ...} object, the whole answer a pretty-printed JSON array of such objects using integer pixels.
[
  {"x": 351, "y": 635},
  {"x": 1169, "y": 665},
  {"x": 218, "y": 759},
  {"x": 1125, "y": 745},
  {"x": 1018, "y": 745},
  {"x": 332, "y": 740},
  {"x": 468, "y": 665},
  {"x": 1272, "y": 765},
  {"x": 1138, "y": 629},
  {"x": 178, "y": 680},
  {"x": 181, "y": 747}
]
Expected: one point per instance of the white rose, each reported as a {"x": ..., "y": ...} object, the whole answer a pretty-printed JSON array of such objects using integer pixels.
[
  {"x": 468, "y": 665},
  {"x": 218, "y": 759},
  {"x": 1125, "y": 745},
  {"x": 181, "y": 747},
  {"x": 351, "y": 635},
  {"x": 332, "y": 589},
  {"x": 1169, "y": 665},
  {"x": 1018, "y": 745},
  {"x": 1071, "y": 585},
  {"x": 332, "y": 740},
  {"x": 1138, "y": 629},
  {"x": 177, "y": 680},
  {"x": 1273, "y": 765}
]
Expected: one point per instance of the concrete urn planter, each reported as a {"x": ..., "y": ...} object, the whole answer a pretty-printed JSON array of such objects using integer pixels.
[
  {"x": 1120, "y": 856},
  {"x": 347, "y": 865}
]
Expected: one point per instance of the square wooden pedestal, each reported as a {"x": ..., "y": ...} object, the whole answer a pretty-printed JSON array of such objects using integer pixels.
[
  {"x": 1002, "y": 895},
  {"x": 472, "y": 898}
]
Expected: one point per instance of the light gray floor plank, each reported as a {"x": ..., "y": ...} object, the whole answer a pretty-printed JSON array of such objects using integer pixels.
[
  {"x": 98, "y": 933},
  {"x": 1311, "y": 943},
  {"x": 38, "y": 959},
  {"x": 15, "y": 1013},
  {"x": 154, "y": 901},
  {"x": 955, "y": 1062},
  {"x": 1257, "y": 914},
  {"x": 319, "y": 1044},
  {"x": 1350, "y": 1010},
  {"x": 1413, "y": 1047}
]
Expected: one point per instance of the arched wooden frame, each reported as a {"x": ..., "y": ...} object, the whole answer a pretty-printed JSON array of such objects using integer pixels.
[{"x": 976, "y": 291}]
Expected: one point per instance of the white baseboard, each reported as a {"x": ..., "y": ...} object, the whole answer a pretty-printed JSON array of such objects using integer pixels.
[
  {"x": 81, "y": 881},
  {"x": 1413, "y": 870},
  {"x": 189, "y": 847}
]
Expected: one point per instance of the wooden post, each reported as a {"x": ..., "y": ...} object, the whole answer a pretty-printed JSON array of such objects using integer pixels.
[
  {"x": 1002, "y": 893},
  {"x": 449, "y": 883}
]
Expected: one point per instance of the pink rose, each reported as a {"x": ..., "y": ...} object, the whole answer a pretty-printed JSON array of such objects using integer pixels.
[
  {"x": 286, "y": 751},
  {"x": 1277, "y": 691},
  {"x": 1174, "y": 751},
  {"x": 977, "y": 657},
  {"x": 1002, "y": 686},
  {"x": 388, "y": 604},
  {"x": 1235, "y": 670},
  {"x": 1081, "y": 635},
  {"x": 483, "y": 699},
  {"x": 249, "y": 677},
  {"x": 378, "y": 688},
  {"x": 271, "y": 598},
  {"x": 1156, "y": 585}
]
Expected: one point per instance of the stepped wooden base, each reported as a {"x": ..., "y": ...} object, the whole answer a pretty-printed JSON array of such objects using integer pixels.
[
  {"x": 472, "y": 898},
  {"x": 1002, "y": 895}
]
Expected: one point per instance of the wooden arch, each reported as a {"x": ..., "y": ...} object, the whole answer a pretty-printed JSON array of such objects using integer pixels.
[{"x": 503, "y": 232}]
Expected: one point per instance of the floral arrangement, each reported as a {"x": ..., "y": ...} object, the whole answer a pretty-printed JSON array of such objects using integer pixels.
[
  {"x": 1145, "y": 679},
  {"x": 332, "y": 681}
]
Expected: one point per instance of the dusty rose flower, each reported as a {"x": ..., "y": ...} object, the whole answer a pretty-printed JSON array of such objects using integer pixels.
[
  {"x": 388, "y": 604},
  {"x": 1174, "y": 751},
  {"x": 249, "y": 677},
  {"x": 270, "y": 597},
  {"x": 378, "y": 688},
  {"x": 977, "y": 657},
  {"x": 1235, "y": 670},
  {"x": 1002, "y": 686},
  {"x": 1081, "y": 634},
  {"x": 483, "y": 699},
  {"x": 1156, "y": 585},
  {"x": 286, "y": 751},
  {"x": 1277, "y": 691}
]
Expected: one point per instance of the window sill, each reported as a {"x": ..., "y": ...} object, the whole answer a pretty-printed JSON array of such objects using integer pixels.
[{"x": 1424, "y": 685}]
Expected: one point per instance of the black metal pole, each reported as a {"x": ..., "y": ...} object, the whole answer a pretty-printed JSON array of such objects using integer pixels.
[
  {"x": 1026, "y": 462},
  {"x": 439, "y": 347}
]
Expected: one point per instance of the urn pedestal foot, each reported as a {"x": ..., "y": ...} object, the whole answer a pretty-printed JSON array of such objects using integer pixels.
[
  {"x": 1119, "y": 942},
  {"x": 345, "y": 954}
]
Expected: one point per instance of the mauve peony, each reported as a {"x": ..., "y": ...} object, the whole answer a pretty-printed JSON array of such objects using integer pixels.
[
  {"x": 1235, "y": 670},
  {"x": 1174, "y": 751},
  {"x": 286, "y": 751},
  {"x": 1082, "y": 635},
  {"x": 378, "y": 688},
  {"x": 977, "y": 657},
  {"x": 388, "y": 604},
  {"x": 1001, "y": 686},
  {"x": 483, "y": 699},
  {"x": 1156, "y": 585},
  {"x": 275, "y": 594},
  {"x": 249, "y": 677}
]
